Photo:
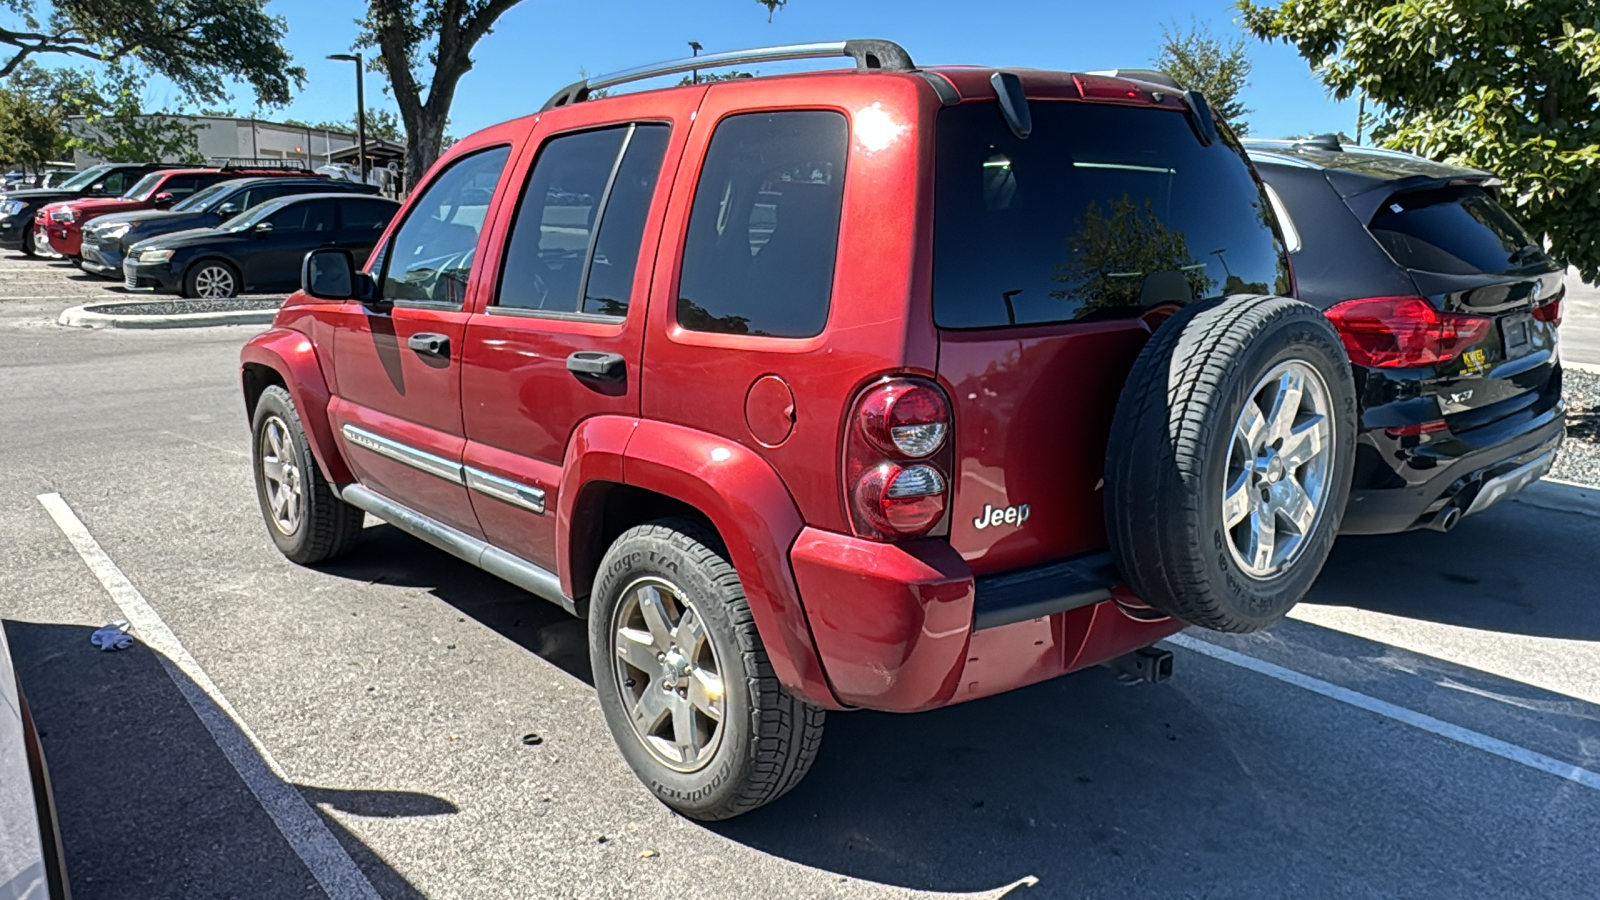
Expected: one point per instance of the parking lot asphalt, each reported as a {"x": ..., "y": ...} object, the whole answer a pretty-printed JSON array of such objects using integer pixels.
[{"x": 1428, "y": 724}]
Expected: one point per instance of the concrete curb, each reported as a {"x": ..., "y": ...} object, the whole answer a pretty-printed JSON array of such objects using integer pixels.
[
  {"x": 1590, "y": 368},
  {"x": 84, "y": 317}
]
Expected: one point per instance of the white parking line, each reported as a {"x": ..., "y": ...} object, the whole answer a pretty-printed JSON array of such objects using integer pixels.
[
  {"x": 299, "y": 824},
  {"x": 1475, "y": 739}
]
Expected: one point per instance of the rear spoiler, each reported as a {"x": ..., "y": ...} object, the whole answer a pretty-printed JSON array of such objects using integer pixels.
[{"x": 1366, "y": 203}]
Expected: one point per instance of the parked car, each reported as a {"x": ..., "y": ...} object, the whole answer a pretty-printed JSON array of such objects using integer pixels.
[
  {"x": 31, "y": 859},
  {"x": 260, "y": 250},
  {"x": 878, "y": 389},
  {"x": 18, "y": 209},
  {"x": 106, "y": 240},
  {"x": 1449, "y": 311},
  {"x": 161, "y": 189}
]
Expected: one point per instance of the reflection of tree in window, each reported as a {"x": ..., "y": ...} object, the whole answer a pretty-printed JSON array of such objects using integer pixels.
[
  {"x": 696, "y": 318},
  {"x": 1113, "y": 253}
]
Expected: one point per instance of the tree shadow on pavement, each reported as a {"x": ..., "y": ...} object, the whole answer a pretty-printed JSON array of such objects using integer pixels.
[
  {"x": 1523, "y": 566},
  {"x": 388, "y": 555},
  {"x": 149, "y": 805}
]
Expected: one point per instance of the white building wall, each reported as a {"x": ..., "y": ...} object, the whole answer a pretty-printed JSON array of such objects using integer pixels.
[{"x": 220, "y": 137}]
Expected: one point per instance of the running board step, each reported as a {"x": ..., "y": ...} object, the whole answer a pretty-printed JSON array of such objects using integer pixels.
[{"x": 531, "y": 578}]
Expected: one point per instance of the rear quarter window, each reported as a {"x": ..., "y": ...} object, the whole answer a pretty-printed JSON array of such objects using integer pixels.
[
  {"x": 1101, "y": 212},
  {"x": 1454, "y": 231}
]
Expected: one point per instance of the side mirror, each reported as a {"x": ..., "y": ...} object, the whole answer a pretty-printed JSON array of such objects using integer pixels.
[
  {"x": 163, "y": 199},
  {"x": 263, "y": 229},
  {"x": 99, "y": 187},
  {"x": 228, "y": 210},
  {"x": 330, "y": 273}
]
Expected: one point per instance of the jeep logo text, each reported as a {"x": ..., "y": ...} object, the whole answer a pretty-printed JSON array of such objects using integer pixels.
[{"x": 1007, "y": 515}]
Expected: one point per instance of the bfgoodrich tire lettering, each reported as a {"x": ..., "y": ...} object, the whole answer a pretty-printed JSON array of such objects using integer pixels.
[
  {"x": 768, "y": 739},
  {"x": 1167, "y": 459},
  {"x": 323, "y": 526}
]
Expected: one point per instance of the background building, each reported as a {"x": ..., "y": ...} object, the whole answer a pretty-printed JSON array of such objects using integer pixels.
[{"x": 225, "y": 136}]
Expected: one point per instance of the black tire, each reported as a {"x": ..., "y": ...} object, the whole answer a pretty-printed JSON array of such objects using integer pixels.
[
  {"x": 191, "y": 278},
  {"x": 325, "y": 526},
  {"x": 27, "y": 242},
  {"x": 1167, "y": 459},
  {"x": 768, "y": 738}
]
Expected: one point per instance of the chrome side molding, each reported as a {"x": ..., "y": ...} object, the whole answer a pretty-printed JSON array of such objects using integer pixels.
[{"x": 503, "y": 489}]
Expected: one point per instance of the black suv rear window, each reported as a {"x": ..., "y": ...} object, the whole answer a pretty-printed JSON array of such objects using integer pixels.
[
  {"x": 1456, "y": 231},
  {"x": 1102, "y": 211}
]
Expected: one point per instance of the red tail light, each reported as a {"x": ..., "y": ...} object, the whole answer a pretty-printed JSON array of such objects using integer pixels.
[
  {"x": 897, "y": 459},
  {"x": 1549, "y": 312},
  {"x": 1404, "y": 332}
]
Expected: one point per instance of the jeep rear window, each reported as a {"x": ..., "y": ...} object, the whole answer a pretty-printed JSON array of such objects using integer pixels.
[
  {"x": 1102, "y": 211},
  {"x": 1456, "y": 231}
]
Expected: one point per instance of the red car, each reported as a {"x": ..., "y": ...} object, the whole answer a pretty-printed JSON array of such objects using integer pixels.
[
  {"x": 887, "y": 388},
  {"x": 63, "y": 222}
]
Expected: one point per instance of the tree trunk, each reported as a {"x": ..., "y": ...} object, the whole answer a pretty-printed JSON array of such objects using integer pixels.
[{"x": 423, "y": 146}]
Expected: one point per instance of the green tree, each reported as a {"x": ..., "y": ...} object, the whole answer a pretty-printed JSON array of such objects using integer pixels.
[
  {"x": 425, "y": 47},
  {"x": 1512, "y": 86},
  {"x": 117, "y": 128},
  {"x": 381, "y": 124},
  {"x": 34, "y": 105},
  {"x": 1114, "y": 250},
  {"x": 199, "y": 44},
  {"x": 1216, "y": 67}
]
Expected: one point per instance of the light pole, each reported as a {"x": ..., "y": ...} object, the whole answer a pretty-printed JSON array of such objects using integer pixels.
[
  {"x": 694, "y": 50},
  {"x": 361, "y": 113}
]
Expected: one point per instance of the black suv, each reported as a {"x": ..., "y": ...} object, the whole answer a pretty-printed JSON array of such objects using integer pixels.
[
  {"x": 107, "y": 239},
  {"x": 17, "y": 207},
  {"x": 1449, "y": 311}
]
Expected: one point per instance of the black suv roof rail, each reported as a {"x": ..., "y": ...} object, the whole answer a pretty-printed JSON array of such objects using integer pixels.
[
  {"x": 870, "y": 56},
  {"x": 233, "y": 163}
]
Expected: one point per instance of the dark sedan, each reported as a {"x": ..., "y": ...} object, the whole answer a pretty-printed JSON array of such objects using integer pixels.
[
  {"x": 106, "y": 240},
  {"x": 1449, "y": 310},
  {"x": 260, "y": 250},
  {"x": 17, "y": 208}
]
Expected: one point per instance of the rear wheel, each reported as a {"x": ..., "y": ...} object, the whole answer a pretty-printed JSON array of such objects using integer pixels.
[
  {"x": 308, "y": 523},
  {"x": 1230, "y": 459},
  {"x": 684, "y": 683},
  {"x": 211, "y": 279},
  {"x": 27, "y": 242}
]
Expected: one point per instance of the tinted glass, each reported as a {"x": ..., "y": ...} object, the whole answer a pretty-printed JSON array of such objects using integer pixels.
[
  {"x": 261, "y": 194},
  {"x": 550, "y": 237},
  {"x": 764, "y": 229},
  {"x": 616, "y": 248},
  {"x": 180, "y": 186},
  {"x": 1102, "y": 211},
  {"x": 85, "y": 178},
  {"x": 364, "y": 215},
  {"x": 310, "y": 215},
  {"x": 430, "y": 256},
  {"x": 118, "y": 182},
  {"x": 146, "y": 186},
  {"x": 202, "y": 199},
  {"x": 1457, "y": 231}
]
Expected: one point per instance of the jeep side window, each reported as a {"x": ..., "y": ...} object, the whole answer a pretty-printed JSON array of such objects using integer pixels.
[
  {"x": 764, "y": 229},
  {"x": 579, "y": 223},
  {"x": 430, "y": 257}
]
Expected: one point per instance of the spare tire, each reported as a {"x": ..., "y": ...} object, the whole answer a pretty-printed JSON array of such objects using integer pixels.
[{"x": 1229, "y": 461}]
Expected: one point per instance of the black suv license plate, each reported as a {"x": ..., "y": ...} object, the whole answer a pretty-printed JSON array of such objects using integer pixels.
[{"x": 1517, "y": 329}]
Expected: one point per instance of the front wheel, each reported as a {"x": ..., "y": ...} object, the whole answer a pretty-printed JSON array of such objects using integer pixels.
[
  {"x": 211, "y": 280},
  {"x": 684, "y": 683},
  {"x": 307, "y": 521},
  {"x": 1230, "y": 459}
]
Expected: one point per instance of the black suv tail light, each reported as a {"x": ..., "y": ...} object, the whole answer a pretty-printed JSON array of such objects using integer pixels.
[{"x": 1404, "y": 332}]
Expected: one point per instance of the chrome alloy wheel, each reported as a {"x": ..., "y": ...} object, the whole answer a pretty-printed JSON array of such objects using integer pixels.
[
  {"x": 668, "y": 674},
  {"x": 214, "y": 283},
  {"x": 1280, "y": 465},
  {"x": 280, "y": 476}
]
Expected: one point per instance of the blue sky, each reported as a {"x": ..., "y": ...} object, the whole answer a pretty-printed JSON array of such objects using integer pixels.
[{"x": 540, "y": 46}]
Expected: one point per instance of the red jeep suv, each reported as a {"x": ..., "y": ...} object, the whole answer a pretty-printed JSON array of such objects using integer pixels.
[{"x": 884, "y": 388}]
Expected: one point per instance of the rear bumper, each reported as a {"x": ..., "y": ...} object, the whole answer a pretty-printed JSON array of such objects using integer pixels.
[
  {"x": 1470, "y": 471},
  {"x": 907, "y": 627}
]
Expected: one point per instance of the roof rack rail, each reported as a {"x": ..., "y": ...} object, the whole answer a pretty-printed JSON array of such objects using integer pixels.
[
  {"x": 870, "y": 56},
  {"x": 230, "y": 163}
]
